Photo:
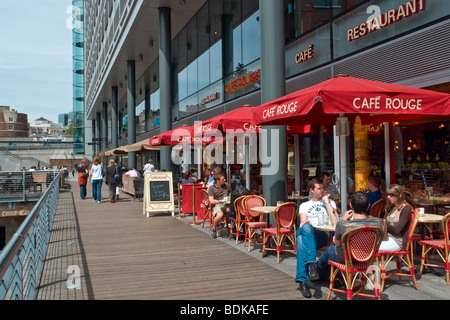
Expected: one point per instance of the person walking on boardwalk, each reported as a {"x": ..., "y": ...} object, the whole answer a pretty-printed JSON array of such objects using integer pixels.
[
  {"x": 83, "y": 174},
  {"x": 96, "y": 177},
  {"x": 113, "y": 179}
]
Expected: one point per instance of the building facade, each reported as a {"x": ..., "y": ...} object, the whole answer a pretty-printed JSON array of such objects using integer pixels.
[
  {"x": 77, "y": 117},
  {"x": 151, "y": 66},
  {"x": 12, "y": 123}
]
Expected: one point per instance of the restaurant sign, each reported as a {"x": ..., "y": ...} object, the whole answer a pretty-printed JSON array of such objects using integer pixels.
[
  {"x": 378, "y": 21},
  {"x": 242, "y": 82},
  {"x": 212, "y": 97}
]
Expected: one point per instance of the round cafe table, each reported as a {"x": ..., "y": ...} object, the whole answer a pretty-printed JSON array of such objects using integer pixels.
[
  {"x": 430, "y": 218},
  {"x": 264, "y": 209},
  {"x": 328, "y": 228},
  {"x": 427, "y": 222}
]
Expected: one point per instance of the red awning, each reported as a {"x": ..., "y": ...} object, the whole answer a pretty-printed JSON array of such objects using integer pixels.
[
  {"x": 373, "y": 101},
  {"x": 239, "y": 120},
  {"x": 180, "y": 135}
]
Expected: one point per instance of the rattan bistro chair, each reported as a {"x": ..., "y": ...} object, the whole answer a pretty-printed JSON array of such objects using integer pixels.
[
  {"x": 442, "y": 247},
  {"x": 402, "y": 256},
  {"x": 239, "y": 221},
  {"x": 207, "y": 209},
  {"x": 254, "y": 221},
  {"x": 377, "y": 208},
  {"x": 360, "y": 246},
  {"x": 285, "y": 219}
]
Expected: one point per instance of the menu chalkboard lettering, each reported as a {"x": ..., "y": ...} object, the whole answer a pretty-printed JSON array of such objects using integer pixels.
[{"x": 159, "y": 191}]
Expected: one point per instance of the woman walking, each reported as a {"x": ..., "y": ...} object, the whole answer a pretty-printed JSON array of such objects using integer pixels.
[
  {"x": 83, "y": 174},
  {"x": 96, "y": 176},
  {"x": 113, "y": 179}
]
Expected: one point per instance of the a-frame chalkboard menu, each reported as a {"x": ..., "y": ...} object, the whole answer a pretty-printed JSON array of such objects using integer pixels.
[{"x": 158, "y": 192}]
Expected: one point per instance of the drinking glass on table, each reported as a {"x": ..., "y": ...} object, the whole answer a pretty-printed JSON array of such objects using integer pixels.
[
  {"x": 319, "y": 220},
  {"x": 327, "y": 220}
]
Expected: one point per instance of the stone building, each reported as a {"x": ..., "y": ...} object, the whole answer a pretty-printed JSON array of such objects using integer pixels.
[{"x": 12, "y": 123}]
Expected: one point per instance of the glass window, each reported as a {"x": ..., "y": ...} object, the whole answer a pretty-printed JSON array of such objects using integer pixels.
[
  {"x": 251, "y": 40},
  {"x": 215, "y": 57},
  {"x": 237, "y": 48},
  {"x": 191, "y": 45},
  {"x": 204, "y": 28},
  {"x": 155, "y": 103},
  {"x": 140, "y": 116},
  {"x": 182, "y": 84},
  {"x": 203, "y": 70},
  {"x": 192, "y": 76},
  {"x": 182, "y": 49},
  {"x": 215, "y": 20}
]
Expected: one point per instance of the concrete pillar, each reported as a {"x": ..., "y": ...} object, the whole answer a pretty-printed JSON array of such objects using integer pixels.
[
  {"x": 272, "y": 87},
  {"x": 165, "y": 82},
  {"x": 114, "y": 118},
  {"x": 94, "y": 136},
  {"x": 98, "y": 133},
  {"x": 131, "y": 108},
  {"x": 148, "y": 110},
  {"x": 227, "y": 58},
  {"x": 104, "y": 143}
]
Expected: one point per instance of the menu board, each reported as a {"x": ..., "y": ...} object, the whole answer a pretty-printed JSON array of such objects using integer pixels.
[{"x": 158, "y": 193}]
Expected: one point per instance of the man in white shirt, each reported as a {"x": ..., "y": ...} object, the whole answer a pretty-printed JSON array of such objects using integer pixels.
[
  {"x": 133, "y": 173},
  {"x": 308, "y": 239},
  {"x": 149, "y": 167}
]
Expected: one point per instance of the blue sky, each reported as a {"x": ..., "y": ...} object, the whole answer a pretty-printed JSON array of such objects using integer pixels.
[{"x": 36, "y": 57}]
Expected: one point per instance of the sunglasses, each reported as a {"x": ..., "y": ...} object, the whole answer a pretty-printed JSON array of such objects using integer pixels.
[{"x": 391, "y": 195}]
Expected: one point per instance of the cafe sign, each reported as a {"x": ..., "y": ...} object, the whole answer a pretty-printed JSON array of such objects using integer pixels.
[
  {"x": 306, "y": 54},
  {"x": 240, "y": 83}
]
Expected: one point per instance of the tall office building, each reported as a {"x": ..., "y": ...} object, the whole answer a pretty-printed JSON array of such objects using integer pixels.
[{"x": 78, "y": 121}]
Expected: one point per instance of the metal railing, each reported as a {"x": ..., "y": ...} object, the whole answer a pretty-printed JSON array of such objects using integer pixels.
[
  {"x": 22, "y": 259},
  {"x": 23, "y": 186}
]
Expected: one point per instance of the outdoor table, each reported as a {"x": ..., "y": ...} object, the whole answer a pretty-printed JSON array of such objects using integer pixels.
[
  {"x": 224, "y": 201},
  {"x": 427, "y": 221},
  {"x": 328, "y": 228},
  {"x": 264, "y": 209}
]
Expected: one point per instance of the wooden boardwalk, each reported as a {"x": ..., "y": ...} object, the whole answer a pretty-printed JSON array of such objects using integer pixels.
[{"x": 122, "y": 254}]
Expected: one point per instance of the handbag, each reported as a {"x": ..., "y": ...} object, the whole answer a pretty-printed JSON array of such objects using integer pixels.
[
  {"x": 117, "y": 176},
  {"x": 84, "y": 175}
]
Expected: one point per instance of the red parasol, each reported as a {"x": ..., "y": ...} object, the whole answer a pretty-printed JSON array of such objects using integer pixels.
[
  {"x": 373, "y": 101},
  {"x": 180, "y": 135},
  {"x": 336, "y": 100},
  {"x": 239, "y": 120}
]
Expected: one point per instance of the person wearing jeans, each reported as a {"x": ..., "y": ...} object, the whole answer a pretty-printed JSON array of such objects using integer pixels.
[
  {"x": 308, "y": 239},
  {"x": 83, "y": 174},
  {"x": 96, "y": 176}
]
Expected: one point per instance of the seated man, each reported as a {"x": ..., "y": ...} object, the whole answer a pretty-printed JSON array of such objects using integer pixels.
[
  {"x": 216, "y": 192},
  {"x": 373, "y": 190},
  {"x": 351, "y": 219},
  {"x": 308, "y": 239}
]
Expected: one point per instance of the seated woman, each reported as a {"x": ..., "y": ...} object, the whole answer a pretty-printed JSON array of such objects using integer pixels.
[
  {"x": 187, "y": 178},
  {"x": 398, "y": 218}
]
